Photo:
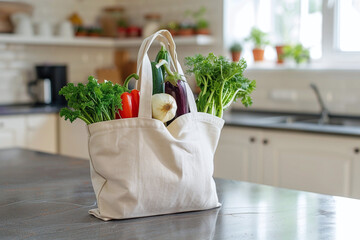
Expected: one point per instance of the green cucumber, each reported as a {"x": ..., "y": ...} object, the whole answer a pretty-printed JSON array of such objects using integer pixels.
[
  {"x": 162, "y": 54},
  {"x": 158, "y": 80}
]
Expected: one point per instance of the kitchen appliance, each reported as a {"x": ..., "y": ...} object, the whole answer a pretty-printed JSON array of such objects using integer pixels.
[{"x": 49, "y": 80}]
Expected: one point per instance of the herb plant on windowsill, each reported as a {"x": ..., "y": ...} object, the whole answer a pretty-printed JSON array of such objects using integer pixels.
[
  {"x": 297, "y": 52},
  {"x": 259, "y": 39},
  {"x": 235, "y": 50}
]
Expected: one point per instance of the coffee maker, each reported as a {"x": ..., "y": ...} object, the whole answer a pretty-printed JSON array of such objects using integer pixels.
[{"x": 49, "y": 80}]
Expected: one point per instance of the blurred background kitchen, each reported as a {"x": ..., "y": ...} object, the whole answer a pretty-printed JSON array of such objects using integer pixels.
[{"x": 304, "y": 54}]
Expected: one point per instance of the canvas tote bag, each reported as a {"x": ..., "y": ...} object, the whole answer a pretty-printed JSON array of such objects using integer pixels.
[{"x": 139, "y": 167}]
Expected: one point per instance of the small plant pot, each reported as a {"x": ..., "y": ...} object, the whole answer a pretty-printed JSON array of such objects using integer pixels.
[
  {"x": 203, "y": 31},
  {"x": 133, "y": 31},
  {"x": 81, "y": 34},
  {"x": 235, "y": 56},
  {"x": 280, "y": 52},
  {"x": 173, "y": 32},
  {"x": 94, "y": 34},
  {"x": 121, "y": 31},
  {"x": 186, "y": 32},
  {"x": 258, "y": 54}
]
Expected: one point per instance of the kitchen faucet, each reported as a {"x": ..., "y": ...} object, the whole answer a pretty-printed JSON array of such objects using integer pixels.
[{"x": 324, "y": 111}]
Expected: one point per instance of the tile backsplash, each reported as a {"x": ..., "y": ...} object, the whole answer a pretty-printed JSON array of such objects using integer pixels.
[{"x": 17, "y": 61}]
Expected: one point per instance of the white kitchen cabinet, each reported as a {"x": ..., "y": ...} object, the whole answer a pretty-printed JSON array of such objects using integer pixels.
[
  {"x": 237, "y": 155},
  {"x": 73, "y": 138},
  {"x": 41, "y": 132},
  {"x": 310, "y": 162},
  {"x": 12, "y": 131},
  {"x": 34, "y": 131},
  {"x": 320, "y": 163}
]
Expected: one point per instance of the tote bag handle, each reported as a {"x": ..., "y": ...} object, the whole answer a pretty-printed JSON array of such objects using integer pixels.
[{"x": 145, "y": 72}]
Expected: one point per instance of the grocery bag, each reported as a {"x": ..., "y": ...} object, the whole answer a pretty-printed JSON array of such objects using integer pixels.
[{"x": 140, "y": 167}]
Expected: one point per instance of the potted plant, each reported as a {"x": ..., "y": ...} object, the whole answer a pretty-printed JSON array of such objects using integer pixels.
[
  {"x": 280, "y": 53},
  {"x": 202, "y": 27},
  {"x": 121, "y": 28},
  {"x": 235, "y": 50},
  {"x": 80, "y": 31},
  {"x": 297, "y": 52},
  {"x": 186, "y": 29},
  {"x": 173, "y": 27},
  {"x": 259, "y": 39},
  {"x": 201, "y": 24}
]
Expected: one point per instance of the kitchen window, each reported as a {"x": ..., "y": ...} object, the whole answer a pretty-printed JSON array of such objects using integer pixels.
[
  {"x": 327, "y": 27},
  {"x": 348, "y": 13}
]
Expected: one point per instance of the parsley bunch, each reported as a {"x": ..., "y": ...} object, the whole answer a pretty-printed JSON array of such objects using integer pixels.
[
  {"x": 221, "y": 82},
  {"x": 93, "y": 102}
]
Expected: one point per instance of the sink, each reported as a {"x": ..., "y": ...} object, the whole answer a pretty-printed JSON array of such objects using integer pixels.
[{"x": 336, "y": 121}]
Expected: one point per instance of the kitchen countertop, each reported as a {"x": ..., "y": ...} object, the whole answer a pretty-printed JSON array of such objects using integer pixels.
[
  {"x": 45, "y": 196},
  {"x": 27, "y": 109},
  {"x": 269, "y": 120}
]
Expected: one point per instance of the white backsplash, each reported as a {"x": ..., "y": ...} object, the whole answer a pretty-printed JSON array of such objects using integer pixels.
[{"x": 289, "y": 90}]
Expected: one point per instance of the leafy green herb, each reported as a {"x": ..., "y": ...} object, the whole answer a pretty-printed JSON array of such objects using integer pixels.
[
  {"x": 92, "y": 102},
  {"x": 298, "y": 52},
  {"x": 221, "y": 82},
  {"x": 258, "y": 37},
  {"x": 236, "y": 47}
]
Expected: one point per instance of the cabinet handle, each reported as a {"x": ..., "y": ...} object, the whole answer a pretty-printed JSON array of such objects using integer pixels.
[
  {"x": 265, "y": 141},
  {"x": 356, "y": 150},
  {"x": 252, "y": 139}
]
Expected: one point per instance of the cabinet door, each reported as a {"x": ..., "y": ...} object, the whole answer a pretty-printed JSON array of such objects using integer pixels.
[
  {"x": 12, "y": 131},
  {"x": 316, "y": 163},
  {"x": 237, "y": 154},
  {"x": 355, "y": 179},
  {"x": 73, "y": 139},
  {"x": 41, "y": 132}
]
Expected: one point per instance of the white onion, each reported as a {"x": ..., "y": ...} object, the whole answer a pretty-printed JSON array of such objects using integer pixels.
[{"x": 163, "y": 107}]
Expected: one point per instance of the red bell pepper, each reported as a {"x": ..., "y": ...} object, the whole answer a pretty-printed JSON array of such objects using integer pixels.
[
  {"x": 130, "y": 104},
  {"x": 130, "y": 101}
]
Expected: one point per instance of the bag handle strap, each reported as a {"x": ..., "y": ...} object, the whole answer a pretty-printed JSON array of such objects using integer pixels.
[{"x": 145, "y": 72}]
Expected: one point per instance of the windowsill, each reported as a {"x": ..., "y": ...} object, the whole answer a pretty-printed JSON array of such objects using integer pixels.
[{"x": 314, "y": 66}]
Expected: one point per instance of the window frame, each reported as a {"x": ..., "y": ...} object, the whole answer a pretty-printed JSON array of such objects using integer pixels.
[{"x": 331, "y": 52}]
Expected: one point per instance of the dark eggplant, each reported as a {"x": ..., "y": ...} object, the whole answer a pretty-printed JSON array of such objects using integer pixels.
[
  {"x": 175, "y": 86},
  {"x": 178, "y": 91}
]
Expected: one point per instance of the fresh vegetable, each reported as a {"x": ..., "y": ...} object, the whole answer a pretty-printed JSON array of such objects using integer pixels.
[
  {"x": 163, "y": 107},
  {"x": 92, "y": 102},
  {"x": 175, "y": 86},
  {"x": 221, "y": 82},
  {"x": 130, "y": 104},
  {"x": 130, "y": 100},
  {"x": 163, "y": 54},
  {"x": 158, "y": 80}
]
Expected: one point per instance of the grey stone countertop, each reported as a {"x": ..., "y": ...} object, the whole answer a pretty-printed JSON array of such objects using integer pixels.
[
  {"x": 27, "y": 109},
  {"x": 285, "y": 121},
  {"x": 45, "y": 196}
]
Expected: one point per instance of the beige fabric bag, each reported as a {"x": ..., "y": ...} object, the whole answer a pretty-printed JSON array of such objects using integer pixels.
[{"x": 140, "y": 168}]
